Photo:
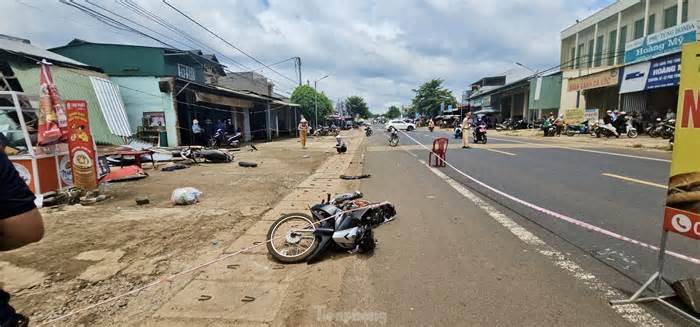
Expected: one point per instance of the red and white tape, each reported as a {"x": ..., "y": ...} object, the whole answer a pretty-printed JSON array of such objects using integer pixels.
[{"x": 560, "y": 216}]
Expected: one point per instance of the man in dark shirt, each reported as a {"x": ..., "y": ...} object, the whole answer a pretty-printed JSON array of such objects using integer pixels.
[{"x": 20, "y": 224}]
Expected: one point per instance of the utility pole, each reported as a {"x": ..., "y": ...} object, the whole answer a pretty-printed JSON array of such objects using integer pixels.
[{"x": 316, "y": 102}]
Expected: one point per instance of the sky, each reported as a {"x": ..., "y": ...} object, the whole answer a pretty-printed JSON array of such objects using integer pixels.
[{"x": 380, "y": 50}]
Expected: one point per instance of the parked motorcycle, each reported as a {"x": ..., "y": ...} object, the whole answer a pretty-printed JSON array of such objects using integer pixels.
[
  {"x": 480, "y": 133},
  {"x": 623, "y": 125},
  {"x": 223, "y": 139},
  {"x": 504, "y": 125},
  {"x": 654, "y": 130},
  {"x": 368, "y": 131},
  {"x": 580, "y": 128},
  {"x": 345, "y": 220},
  {"x": 458, "y": 132},
  {"x": 668, "y": 129},
  {"x": 550, "y": 130},
  {"x": 393, "y": 137},
  {"x": 600, "y": 130}
]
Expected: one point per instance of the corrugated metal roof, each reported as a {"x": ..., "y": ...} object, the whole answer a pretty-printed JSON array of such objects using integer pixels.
[
  {"x": 112, "y": 106},
  {"x": 25, "y": 47}
]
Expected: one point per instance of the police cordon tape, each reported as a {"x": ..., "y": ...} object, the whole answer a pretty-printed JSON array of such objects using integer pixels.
[
  {"x": 558, "y": 215},
  {"x": 189, "y": 270}
]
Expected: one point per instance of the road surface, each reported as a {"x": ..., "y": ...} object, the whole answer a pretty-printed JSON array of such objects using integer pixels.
[{"x": 447, "y": 261}]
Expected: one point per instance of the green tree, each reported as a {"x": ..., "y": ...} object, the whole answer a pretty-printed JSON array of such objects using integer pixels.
[
  {"x": 305, "y": 96},
  {"x": 356, "y": 105},
  {"x": 393, "y": 112},
  {"x": 409, "y": 111},
  {"x": 430, "y": 95}
]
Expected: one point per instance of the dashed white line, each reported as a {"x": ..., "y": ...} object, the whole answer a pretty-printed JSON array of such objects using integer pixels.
[{"x": 499, "y": 151}]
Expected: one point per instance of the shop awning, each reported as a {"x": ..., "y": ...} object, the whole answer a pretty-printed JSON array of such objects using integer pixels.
[
  {"x": 223, "y": 100},
  {"x": 287, "y": 104},
  {"x": 486, "y": 111},
  {"x": 111, "y": 105}
]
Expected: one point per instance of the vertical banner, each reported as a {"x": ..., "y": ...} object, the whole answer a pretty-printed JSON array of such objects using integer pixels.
[
  {"x": 682, "y": 214},
  {"x": 53, "y": 124},
  {"x": 81, "y": 146}
]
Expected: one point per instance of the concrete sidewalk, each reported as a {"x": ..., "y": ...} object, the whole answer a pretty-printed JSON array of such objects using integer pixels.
[{"x": 248, "y": 289}]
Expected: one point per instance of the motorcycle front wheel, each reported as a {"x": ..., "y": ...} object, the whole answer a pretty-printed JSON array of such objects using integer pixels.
[
  {"x": 290, "y": 239},
  {"x": 632, "y": 134},
  {"x": 394, "y": 141}
]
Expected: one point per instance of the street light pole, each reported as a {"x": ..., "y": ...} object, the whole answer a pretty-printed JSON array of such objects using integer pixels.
[{"x": 316, "y": 102}]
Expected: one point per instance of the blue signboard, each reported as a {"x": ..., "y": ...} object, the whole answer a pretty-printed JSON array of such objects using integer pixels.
[
  {"x": 664, "y": 72},
  {"x": 661, "y": 43}
]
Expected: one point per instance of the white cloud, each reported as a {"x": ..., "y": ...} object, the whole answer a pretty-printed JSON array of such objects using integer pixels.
[{"x": 376, "y": 49}]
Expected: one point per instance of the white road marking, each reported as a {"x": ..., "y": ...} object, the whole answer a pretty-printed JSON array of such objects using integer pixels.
[
  {"x": 633, "y": 313},
  {"x": 501, "y": 152},
  {"x": 585, "y": 150},
  {"x": 634, "y": 180}
]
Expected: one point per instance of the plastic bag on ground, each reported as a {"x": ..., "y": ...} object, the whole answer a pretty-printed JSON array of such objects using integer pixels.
[{"x": 185, "y": 196}]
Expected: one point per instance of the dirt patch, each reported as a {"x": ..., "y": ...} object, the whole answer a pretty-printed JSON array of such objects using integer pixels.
[
  {"x": 91, "y": 253},
  {"x": 642, "y": 142}
]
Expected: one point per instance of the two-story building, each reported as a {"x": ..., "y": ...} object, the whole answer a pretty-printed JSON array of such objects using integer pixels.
[
  {"x": 627, "y": 56},
  {"x": 165, "y": 90}
]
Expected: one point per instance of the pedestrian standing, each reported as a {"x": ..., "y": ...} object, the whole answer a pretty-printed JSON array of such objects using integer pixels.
[
  {"x": 20, "y": 224},
  {"x": 303, "y": 129},
  {"x": 466, "y": 126},
  {"x": 197, "y": 132}
]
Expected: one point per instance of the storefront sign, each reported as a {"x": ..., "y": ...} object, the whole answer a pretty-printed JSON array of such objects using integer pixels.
[
  {"x": 664, "y": 72},
  {"x": 574, "y": 115},
  {"x": 592, "y": 81},
  {"x": 682, "y": 214},
  {"x": 81, "y": 146},
  {"x": 658, "y": 73},
  {"x": 591, "y": 115},
  {"x": 661, "y": 43}
]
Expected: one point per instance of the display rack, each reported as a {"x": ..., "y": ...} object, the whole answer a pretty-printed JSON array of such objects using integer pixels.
[{"x": 44, "y": 168}]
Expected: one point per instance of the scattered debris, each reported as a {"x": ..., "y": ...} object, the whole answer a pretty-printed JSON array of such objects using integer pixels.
[
  {"x": 173, "y": 167},
  {"x": 128, "y": 173},
  {"x": 351, "y": 177},
  {"x": 185, "y": 195},
  {"x": 215, "y": 242},
  {"x": 248, "y": 299},
  {"x": 278, "y": 267},
  {"x": 252, "y": 147},
  {"x": 233, "y": 266},
  {"x": 204, "y": 297},
  {"x": 689, "y": 291},
  {"x": 142, "y": 200},
  {"x": 247, "y": 164},
  {"x": 306, "y": 156}
]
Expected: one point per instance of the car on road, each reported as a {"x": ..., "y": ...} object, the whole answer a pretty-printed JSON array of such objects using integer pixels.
[{"x": 400, "y": 125}]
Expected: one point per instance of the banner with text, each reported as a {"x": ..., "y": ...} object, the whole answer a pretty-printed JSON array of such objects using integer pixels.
[
  {"x": 661, "y": 43},
  {"x": 649, "y": 75},
  {"x": 682, "y": 214},
  {"x": 81, "y": 146},
  {"x": 601, "y": 79}
]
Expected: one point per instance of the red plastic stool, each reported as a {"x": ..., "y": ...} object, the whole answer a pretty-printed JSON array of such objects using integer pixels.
[{"x": 439, "y": 152}]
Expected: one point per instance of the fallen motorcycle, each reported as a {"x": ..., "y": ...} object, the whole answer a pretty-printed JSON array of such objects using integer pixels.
[
  {"x": 208, "y": 155},
  {"x": 345, "y": 221}
]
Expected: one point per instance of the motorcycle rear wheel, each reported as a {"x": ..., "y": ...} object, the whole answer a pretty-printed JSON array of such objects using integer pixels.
[
  {"x": 632, "y": 134},
  {"x": 279, "y": 238}
]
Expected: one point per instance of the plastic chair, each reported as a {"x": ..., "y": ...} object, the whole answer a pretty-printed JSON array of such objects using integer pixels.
[{"x": 439, "y": 152}]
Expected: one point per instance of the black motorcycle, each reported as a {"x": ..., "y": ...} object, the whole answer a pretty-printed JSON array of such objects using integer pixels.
[
  {"x": 368, "y": 131},
  {"x": 344, "y": 220},
  {"x": 479, "y": 133},
  {"x": 223, "y": 139},
  {"x": 393, "y": 137}
]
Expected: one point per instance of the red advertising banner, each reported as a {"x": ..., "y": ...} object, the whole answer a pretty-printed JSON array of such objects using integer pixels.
[
  {"x": 81, "y": 146},
  {"x": 53, "y": 124},
  {"x": 682, "y": 222}
]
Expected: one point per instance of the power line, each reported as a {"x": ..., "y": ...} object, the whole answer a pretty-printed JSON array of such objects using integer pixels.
[
  {"x": 120, "y": 25},
  {"x": 227, "y": 42}
]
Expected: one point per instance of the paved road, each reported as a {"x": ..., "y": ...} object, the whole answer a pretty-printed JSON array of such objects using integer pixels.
[{"x": 449, "y": 250}]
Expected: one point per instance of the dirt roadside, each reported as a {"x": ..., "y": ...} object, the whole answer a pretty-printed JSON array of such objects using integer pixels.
[
  {"x": 91, "y": 253},
  {"x": 643, "y": 142}
]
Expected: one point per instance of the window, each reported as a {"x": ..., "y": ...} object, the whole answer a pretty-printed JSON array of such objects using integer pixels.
[
  {"x": 684, "y": 12},
  {"x": 572, "y": 58},
  {"x": 599, "y": 51},
  {"x": 638, "y": 29},
  {"x": 621, "y": 47},
  {"x": 652, "y": 24},
  {"x": 670, "y": 16},
  {"x": 612, "y": 47},
  {"x": 589, "y": 60},
  {"x": 186, "y": 72},
  {"x": 580, "y": 55}
]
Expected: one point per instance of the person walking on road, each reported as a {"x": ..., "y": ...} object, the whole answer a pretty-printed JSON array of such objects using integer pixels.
[
  {"x": 466, "y": 126},
  {"x": 20, "y": 224},
  {"x": 303, "y": 129},
  {"x": 431, "y": 125}
]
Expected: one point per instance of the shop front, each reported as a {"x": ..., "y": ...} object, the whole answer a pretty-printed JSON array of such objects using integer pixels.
[
  {"x": 599, "y": 90},
  {"x": 650, "y": 89}
]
